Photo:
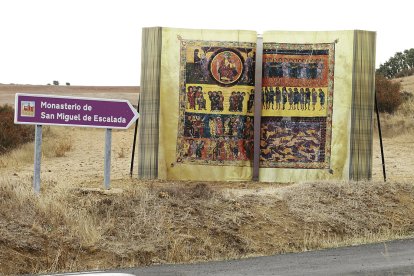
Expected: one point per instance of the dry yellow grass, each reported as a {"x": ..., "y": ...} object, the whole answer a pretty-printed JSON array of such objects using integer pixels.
[
  {"x": 53, "y": 145},
  {"x": 68, "y": 229},
  {"x": 407, "y": 83},
  {"x": 402, "y": 121}
]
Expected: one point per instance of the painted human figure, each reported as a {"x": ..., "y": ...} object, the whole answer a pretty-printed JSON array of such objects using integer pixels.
[
  {"x": 242, "y": 152},
  {"x": 204, "y": 67},
  {"x": 240, "y": 96},
  {"x": 250, "y": 102},
  {"x": 227, "y": 68},
  {"x": 284, "y": 97},
  {"x": 248, "y": 128},
  {"x": 185, "y": 148},
  {"x": 279, "y": 69},
  {"x": 199, "y": 124},
  {"x": 271, "y": 97},
  {"x": 266, "y": 67},
  {"x": 278, "y": 95},
  {"x": 235, "y": 126},
  {"x": 219, "y": 126},
  {"x": 249, "y": 68},
  {"x": 290, "y": 98},
  {"x": 235, "y": 149},
  {"x": 312, "y": 69},
  {"x": 263, "y": 98},
  {"x": 198, "y": 90},
  {"x": 201, "y": 102},
  {"x": 322, "y": 98},
  {"x": 213, "y": 100},
  {"x": 191, "y": 97},
  {"x": 248, "y": 145},
  {"x": 227, "y": 149},
  {"x": 303, "y": 70},
  {"x": 221, "y": 149},
  {"x": 319, "y": 68},
  {"x": 273, "y": 68},
  {"x": 216, "y": 100},
  {"x": 285, "y": 68},
  {"x": 227, "y": 126},
  {"x": 231, "y": 101},
  {"x": 220, "y": 99},
  {"x": 191, "y": 149},
  {"x": 212, "y": 126},
  {"x": 236, "y": 101},
  {"x": 307, "y": 98},
  {"x": 302, "y": 99},
  {"x": 314, "y": 98},
  {"x": 230, "y": 125},
  {"x": 294, "y": 68},
  {"x": 212, "y": 150},
  {"x": 296, "y": 99},
  {"x": 266, "y": 98},
  {"x": 197, "y": 73},
  {"x": 188, "y": 126},
  {"x": 199, "y": 149},
  {"x": 196, "y": 56}
]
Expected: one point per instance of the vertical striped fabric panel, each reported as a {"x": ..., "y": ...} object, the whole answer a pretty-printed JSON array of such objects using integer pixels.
[
  {"x": 148, "y": 125},
  {"x": 363, "y": 99}
]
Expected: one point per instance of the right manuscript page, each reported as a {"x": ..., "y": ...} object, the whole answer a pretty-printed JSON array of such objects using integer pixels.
[{"x": 306, "y": 102}]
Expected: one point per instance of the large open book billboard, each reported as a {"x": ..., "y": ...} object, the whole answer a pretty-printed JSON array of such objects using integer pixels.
[{"x": 198, "y": 87}]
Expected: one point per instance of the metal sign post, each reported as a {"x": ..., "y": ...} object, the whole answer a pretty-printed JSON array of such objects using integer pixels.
[
  {"x": 37, "y": 158},
  {"x": 107, "y": 169}
]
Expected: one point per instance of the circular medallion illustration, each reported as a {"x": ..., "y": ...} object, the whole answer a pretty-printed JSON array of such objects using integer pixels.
[{"x": 226, "y": 67}]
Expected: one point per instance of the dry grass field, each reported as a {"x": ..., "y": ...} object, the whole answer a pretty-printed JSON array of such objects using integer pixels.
[
  {"x": 74, "y": 224},
  {"x": 407, "y": 83}
]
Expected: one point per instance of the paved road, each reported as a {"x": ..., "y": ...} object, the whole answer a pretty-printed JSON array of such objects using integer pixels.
[{"x": 390, "y": 258}]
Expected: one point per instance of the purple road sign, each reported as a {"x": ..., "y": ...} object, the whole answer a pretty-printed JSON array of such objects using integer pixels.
[{"x": 73, "y": 111}]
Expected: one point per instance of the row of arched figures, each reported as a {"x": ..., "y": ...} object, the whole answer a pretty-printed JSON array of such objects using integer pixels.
[{"x": 293, "y": 98}]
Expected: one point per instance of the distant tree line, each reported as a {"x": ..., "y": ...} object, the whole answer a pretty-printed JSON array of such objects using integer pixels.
[
  {"x": 400, "y": 65},
  {"x": 55, "y": 82}
]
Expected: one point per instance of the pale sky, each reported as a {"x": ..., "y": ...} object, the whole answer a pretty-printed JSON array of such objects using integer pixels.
[{"x": 98, "y": 42}]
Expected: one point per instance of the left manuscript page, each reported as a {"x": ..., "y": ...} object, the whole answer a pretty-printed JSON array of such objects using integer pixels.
[{"x": 206, "y": 104}]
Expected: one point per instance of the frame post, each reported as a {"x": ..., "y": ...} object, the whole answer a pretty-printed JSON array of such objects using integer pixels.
[
  {"x": 257, "y": 107},
  {"x": 380, "y": 138}
]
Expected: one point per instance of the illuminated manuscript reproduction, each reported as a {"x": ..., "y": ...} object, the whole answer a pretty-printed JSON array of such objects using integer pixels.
[{"x": 198, "y": 105}]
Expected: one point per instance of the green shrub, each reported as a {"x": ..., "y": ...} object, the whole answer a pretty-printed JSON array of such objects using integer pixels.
[
  {"x": 12, "y": 135},
  {"x": 388, "y": 93}
]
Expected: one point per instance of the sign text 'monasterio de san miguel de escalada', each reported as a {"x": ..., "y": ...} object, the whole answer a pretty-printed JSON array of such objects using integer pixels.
[{"x": 71, "y": 111}]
